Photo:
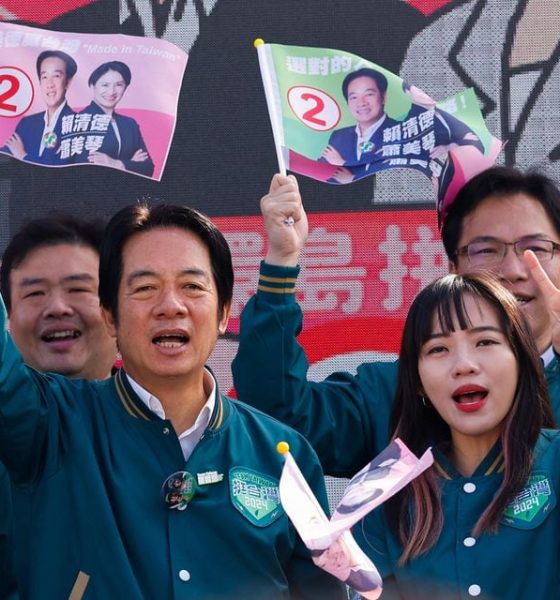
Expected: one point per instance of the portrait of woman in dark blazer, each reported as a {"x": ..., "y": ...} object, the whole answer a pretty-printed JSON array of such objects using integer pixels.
[{"x": 123, "y": 146}]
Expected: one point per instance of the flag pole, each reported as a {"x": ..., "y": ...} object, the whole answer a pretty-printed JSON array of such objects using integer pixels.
[{"x": 272, "y": 102}]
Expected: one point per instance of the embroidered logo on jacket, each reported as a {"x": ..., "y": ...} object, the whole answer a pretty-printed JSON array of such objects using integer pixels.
[
  {"x": 255, "y": 496},
  {"x": 533, "y": 503}
]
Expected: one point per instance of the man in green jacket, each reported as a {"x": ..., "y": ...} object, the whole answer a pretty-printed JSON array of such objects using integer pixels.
[
  {"x": 495, "y": 217},
  {"x": 151, "y": 484},
  {"x": 49, "y": 280}
]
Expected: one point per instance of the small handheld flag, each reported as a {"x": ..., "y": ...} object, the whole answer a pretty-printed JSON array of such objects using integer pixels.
[{"x": 331, "y": 543}]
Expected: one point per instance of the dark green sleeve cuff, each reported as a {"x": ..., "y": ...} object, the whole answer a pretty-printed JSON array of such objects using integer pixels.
[{"x": 277, "y": 284}]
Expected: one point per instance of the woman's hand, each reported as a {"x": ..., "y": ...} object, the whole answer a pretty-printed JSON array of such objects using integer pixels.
[
  {"x": 140, "y": 155},
  {"x": 100, "y": 158}
]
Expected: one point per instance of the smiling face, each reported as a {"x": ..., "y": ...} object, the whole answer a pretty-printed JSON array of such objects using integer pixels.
[
  {"x": 53, "y": 82},
  {"x": 55, "y": 319},
  {"x": 167, "y": 308},
  {"x": 509, "y": 219},
  {"x": 365, "y": 101},
  {"x": 470, "y": 375},
  {"x": 108, "y": 90}
]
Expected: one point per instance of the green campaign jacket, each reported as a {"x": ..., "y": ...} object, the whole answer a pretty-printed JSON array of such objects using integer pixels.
[
  {"x": 7, "y": 569},
  {"x": 520, "y": 561},
  {"x": 345, "y": 417},
  {"x": 87, "y": 462}
]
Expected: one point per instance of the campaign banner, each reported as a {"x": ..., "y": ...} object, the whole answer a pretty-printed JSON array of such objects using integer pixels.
[
  {"x": 330, "y": 541},
  {"x": 70, "y": 99},
  {"x": 360, "y": 273},
  {"x": 338, "y": 118}
]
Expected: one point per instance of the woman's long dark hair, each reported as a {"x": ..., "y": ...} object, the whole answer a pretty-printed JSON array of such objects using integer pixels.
[{"x": 415, "y": 515}]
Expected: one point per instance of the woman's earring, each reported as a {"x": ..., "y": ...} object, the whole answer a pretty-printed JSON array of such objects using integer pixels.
[{"x": 423, "y": 400}]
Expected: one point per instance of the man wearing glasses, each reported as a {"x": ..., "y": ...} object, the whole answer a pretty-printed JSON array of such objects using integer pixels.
[{"x": 496, "y": 217}]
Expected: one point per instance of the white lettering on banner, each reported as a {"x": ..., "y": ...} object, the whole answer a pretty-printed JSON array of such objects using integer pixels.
[
  {"x": 246, "y": 247},
  {"x": 324, "y": 248},
  {"x": 426, "y": 120},
  {"x": 393, "y": 248},
  {"x": 433, "y": 263},
  {"x": 296, "y": 64},
  {"x": 391, "y": 149},
  {"x": 93, "y": 143},
  {"x": 332, "y": 286},
  {"x": 433, "y": 260},
  {"x": 328, "y": 281},
  {"x": 318, "y": 65},
  {"x": 429, "y": 141},
  {"x": 392, "y": 134},
  {"x": 17, "y": 39},
  {"x": 409, "y": 128},
  {"x": 412, "y": 147},
  {"x": 65, "y": 149},
  {"x": 332, "y": 280}
]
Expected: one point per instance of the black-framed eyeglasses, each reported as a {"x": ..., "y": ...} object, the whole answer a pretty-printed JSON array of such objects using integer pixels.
[{"x": 491, "y": 251}]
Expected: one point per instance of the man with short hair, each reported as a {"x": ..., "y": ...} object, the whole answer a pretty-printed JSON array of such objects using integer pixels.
[
  {"x": 37, "y": 137},
  {"x": 495, "y": 217},
  {"x": 49, "y": 279},
  {"x": 151, "y": 484},
  {"x": 353, "y": 148}
]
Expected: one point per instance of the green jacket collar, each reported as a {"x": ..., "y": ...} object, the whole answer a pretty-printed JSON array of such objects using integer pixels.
[{"x": 136, "y": 409}]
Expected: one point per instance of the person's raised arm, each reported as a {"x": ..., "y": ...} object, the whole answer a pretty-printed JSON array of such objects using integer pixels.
[{"x": 345, "y": 417}]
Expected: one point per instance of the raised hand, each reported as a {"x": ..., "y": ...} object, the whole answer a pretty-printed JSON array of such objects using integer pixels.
[
  {"x": 550, "y": 293},
  {"x": 285, "y": 221}
]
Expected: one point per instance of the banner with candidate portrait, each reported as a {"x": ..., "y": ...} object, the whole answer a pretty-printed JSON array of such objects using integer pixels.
[
  {"x": 338, "y": 118},
  {"x": 71, "y": 99}
]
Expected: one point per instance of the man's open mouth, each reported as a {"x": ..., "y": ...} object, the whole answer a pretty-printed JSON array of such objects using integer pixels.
[
  {"x": 171, "y": 340},
  {"x": 63, "y": 335}
]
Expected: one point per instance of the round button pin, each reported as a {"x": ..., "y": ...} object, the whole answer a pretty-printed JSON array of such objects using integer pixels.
[{"x": 178, "y": 489}]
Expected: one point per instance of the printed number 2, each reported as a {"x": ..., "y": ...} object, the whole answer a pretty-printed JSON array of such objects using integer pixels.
[
  {"x": 9, "y": 93},
  {"x": 317, "y": 109}
]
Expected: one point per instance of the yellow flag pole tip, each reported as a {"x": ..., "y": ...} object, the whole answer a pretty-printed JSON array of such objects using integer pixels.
[
  {"x": 282, "y": 447},
  {"x": 258, "y": 42}
]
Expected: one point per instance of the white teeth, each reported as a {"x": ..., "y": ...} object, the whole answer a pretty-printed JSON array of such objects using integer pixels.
[
  {"x": 55, "y": 335},
  {"x": 473, "y": 401},
  {"x": 169, "y": 344},
  {"x": 171, "y": 340}
]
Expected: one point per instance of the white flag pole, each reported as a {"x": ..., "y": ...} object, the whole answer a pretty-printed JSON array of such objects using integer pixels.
[{"x": 272, "y": 100}]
